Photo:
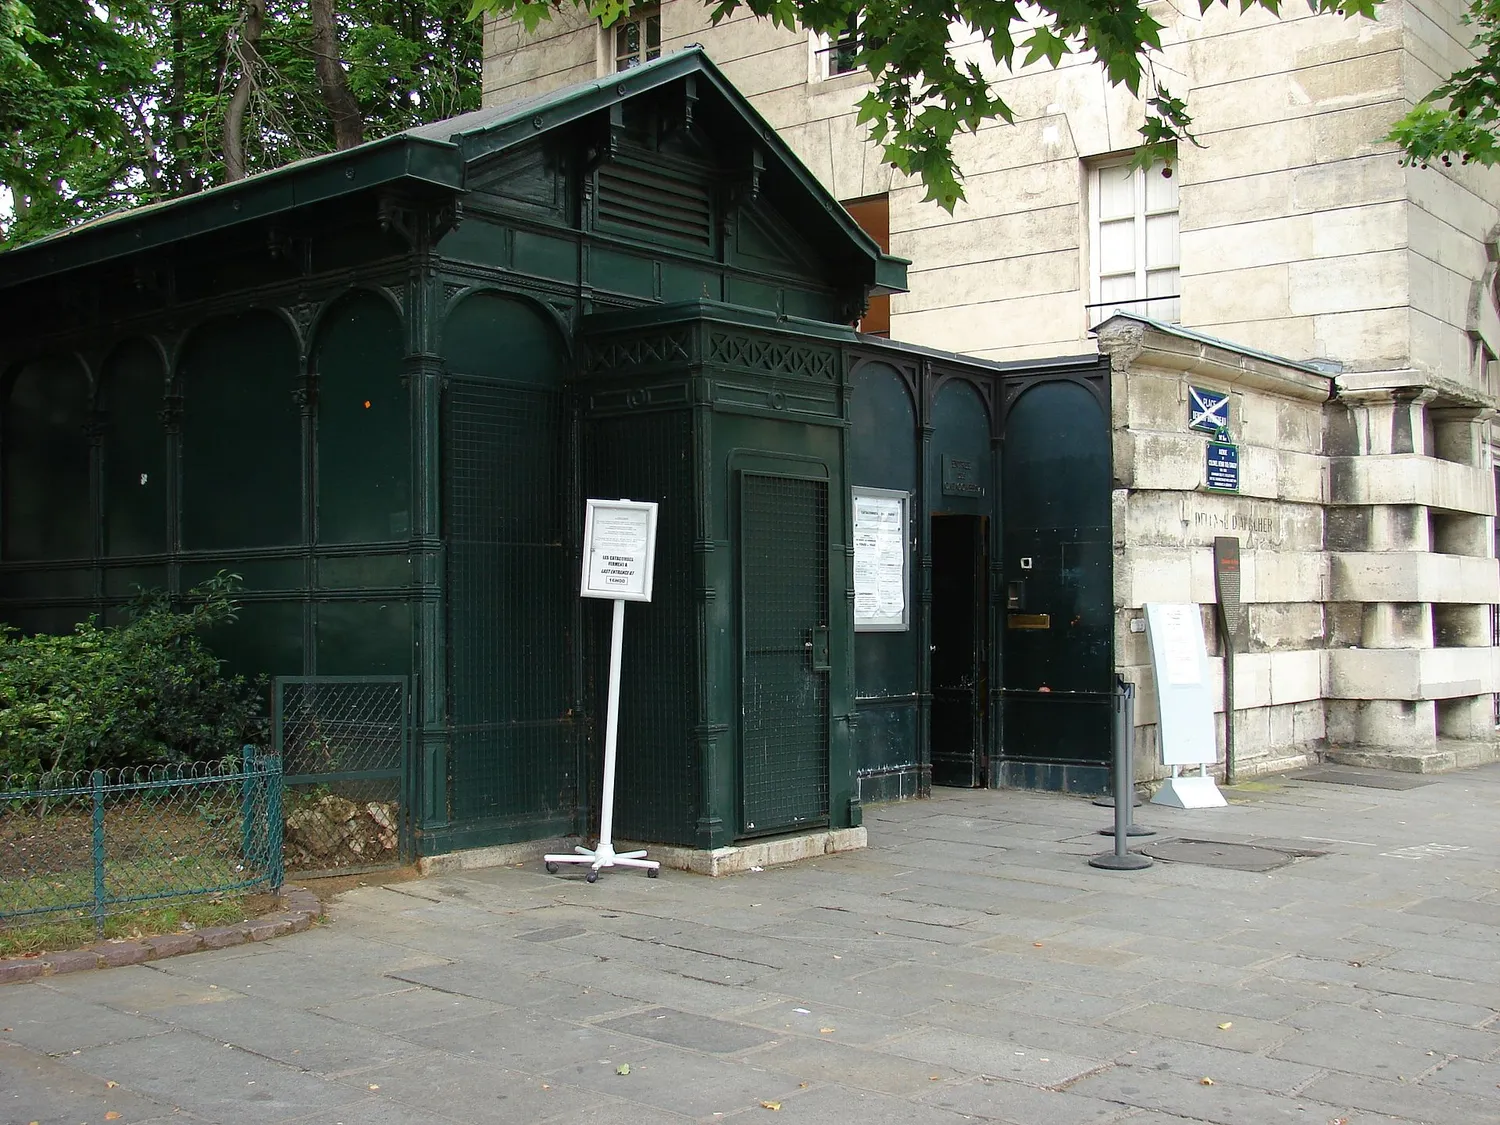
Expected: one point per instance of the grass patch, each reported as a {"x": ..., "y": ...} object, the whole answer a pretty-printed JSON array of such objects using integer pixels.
[{"x": 76, "y": 928}]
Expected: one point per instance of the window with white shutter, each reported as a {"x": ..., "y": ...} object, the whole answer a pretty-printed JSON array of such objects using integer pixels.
[{"x": 1134, "y": 247}]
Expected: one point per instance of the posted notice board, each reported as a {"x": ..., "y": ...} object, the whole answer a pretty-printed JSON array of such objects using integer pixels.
[
  {"x": 619, "y": 549},
  {"x": 1184, "y": 706},
  {"x": 880, "y": 565}
]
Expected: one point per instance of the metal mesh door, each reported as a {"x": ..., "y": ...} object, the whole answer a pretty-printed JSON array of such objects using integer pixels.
[
  {"x": 510, "y": 602},
  {"x": 784, "y": 615}
]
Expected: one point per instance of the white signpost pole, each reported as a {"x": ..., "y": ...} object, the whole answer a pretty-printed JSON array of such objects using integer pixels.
[{"x": 619, "y": 556}]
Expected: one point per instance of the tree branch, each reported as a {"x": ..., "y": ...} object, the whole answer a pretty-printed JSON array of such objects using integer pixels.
[
  {"x": 242, "y": 45},
  {"x": 343, "y": 111}
]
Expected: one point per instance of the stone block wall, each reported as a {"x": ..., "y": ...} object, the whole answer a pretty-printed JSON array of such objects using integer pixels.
[{"x": 1365, "y": 519}]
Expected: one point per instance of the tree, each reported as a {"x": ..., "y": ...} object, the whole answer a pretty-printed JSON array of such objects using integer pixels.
[
  {"x": 103, "y": 107},
  {"x": 922, "y": 96},
  {"x": 1461, "y": 117}
]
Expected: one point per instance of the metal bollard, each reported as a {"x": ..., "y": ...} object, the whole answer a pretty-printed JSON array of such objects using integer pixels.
[
  {"x": 1124, "y": 740},
  {"x": 1122, "y": 859}
]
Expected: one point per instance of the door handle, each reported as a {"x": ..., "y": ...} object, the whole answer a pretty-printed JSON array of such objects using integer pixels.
[{"x": 817, "y": 648}]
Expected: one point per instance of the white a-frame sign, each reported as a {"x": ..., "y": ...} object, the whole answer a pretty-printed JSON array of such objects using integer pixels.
[{"x": 619, "y": 558}]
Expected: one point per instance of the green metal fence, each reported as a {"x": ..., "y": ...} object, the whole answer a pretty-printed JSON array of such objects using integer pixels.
[{"x": 111, "y": 841}]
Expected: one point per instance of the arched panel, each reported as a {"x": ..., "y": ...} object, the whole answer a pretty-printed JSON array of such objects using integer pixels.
[
  {"x": 511, "y": 584},
  {"x": 883, "y": 453},
  {"x": 1057, "y": 444},
  {"x": 883, "y": 443},
  {"x": 364, "y": 424},
  {"x": 45, "y": 465},
  {"x": 131, "y": 391},
  {"x": 491, "y": 336},
  {"x": 960, "y": 475},
  {"x": 241, "y": 434}
]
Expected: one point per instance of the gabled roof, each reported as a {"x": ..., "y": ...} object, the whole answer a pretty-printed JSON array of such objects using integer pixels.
[{"x": 427, "y": 157}]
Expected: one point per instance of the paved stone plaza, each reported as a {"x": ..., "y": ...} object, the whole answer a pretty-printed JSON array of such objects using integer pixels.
[{"x": 968, "y": 966}]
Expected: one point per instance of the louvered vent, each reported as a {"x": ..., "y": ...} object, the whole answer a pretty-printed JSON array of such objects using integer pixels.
[{"x": 654, "y": 207}]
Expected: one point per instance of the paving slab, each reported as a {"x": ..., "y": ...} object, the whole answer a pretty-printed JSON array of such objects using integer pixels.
[
  {"x": 1010, "y": 1102},
  {"x": 929, "y": 980},
  {"x": 1222, "y": 1103},
  {"x": 684, "y": 1029},
  {"x": 211, "y": 1080},
  {"x": 467, "y": 1090},
  {"x": 824, "y": 1061},
  {"x": 1419, "y": 1101},
  {"x": 1197, "y": 1025},
  {"x": 681, "y": 1081},
  {"x": 842, "y": 1105},
  {"x": 66, "y": 1023}
]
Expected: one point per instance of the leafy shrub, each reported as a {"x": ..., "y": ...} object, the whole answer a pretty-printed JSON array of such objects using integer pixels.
[{"x": 141, "y": 693}]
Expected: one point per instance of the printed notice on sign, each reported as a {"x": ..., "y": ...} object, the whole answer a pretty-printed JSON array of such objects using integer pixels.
[
  {"x": 1179, "y": 654},
  {"x": 619, "y": 545},
  {"x": 879, "y": 560}
]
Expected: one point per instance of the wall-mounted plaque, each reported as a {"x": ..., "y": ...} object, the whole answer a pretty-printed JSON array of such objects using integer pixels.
[
  {"x": 961, "y": 477},
  {"x": 880, "y": 560}
]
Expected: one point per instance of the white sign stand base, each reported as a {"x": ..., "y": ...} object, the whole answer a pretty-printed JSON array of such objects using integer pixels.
[
  {"x": 605, "y": 855},
  {"x": 1198, "y": 792}
]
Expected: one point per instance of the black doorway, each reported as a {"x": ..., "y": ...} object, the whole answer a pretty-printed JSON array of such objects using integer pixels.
[{"x": 960, "y": 646}]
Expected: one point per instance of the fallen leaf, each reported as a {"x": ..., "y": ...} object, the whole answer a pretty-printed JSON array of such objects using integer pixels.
[
  {"x": 623, "y": 1068},
  {"x": 1205, "y": 1081},
  {"x": 112, "y": 1115},
  {"x": 373, "y": 1086},
  {"x": 1225, "y": 1026},
  {"x": 801, "y": 1085},
  {"x": 825, "y": 1031},
  {"x": 770, "y": 1105},
  {"x": 109, "y": 1085}
]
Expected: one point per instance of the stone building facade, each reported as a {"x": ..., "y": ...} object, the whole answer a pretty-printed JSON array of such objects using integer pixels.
[
  {"x": 1360, "y": 297},
  {"x": 1367, "y": 572}
]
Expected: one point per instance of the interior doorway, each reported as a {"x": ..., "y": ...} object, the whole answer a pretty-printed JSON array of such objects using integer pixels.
[{"x": 960, "y": 650}]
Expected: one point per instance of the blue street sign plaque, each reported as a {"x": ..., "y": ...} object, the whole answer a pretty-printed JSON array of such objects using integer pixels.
[
  {"x": 1223, "y": 467},
  {"x": 1207, "y": 410}
]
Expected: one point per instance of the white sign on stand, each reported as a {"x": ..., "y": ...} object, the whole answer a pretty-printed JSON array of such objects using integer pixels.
[
  {"x": 619, "y": 550},
  {"x": 1184, "y": 708},
  {"x": 619, "y": 558}
]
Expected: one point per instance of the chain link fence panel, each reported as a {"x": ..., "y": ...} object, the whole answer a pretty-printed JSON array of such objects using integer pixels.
[{"x": 343, "y": 742}]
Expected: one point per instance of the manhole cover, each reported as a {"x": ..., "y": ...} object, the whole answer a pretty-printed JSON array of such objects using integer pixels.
[
  {"x": 1373, "y": 779},
  {"x": 1217, "y": 853}
]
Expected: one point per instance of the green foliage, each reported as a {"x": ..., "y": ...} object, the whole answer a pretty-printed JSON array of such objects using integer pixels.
[
  {"x": 1461, "y": 118},
  {"x": 141, "y": 693},
  {"x": 103, "y": 107},
  {"x": 923, "y": 95}
]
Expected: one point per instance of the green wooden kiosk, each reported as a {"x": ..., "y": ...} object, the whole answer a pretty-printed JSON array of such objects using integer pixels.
[{"x": 378, "y": 384}]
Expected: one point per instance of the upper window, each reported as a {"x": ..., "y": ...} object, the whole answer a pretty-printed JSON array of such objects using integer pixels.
[
  {"x": 1133, "y": 228},
  {"x": 637, "y": 37},
  {"x": 836, "y": 55},
  {"x": 873, "y": 214}
]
